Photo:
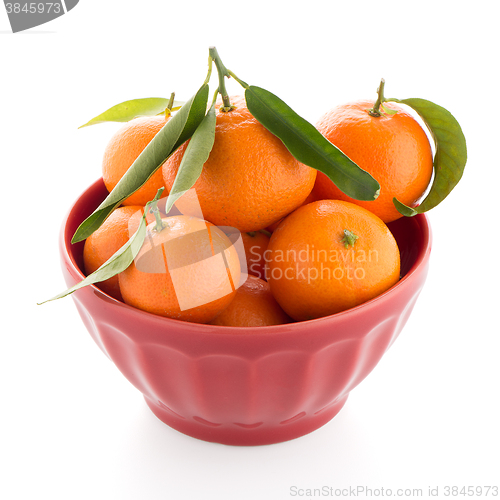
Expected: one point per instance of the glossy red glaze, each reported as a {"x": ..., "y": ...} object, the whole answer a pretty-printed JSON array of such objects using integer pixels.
[{"x": 246, "y": 386}]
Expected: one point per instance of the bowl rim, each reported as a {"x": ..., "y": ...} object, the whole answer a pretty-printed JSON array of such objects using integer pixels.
[{"x": 420, "y": 261}]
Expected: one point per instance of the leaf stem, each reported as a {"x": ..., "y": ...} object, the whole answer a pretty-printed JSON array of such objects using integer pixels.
[
  {"x": 375, "y": 111},
  {"x": 209, "y": 72},
  {"x": 241, "y": 82},
  {"x": 223, "y": 73}
]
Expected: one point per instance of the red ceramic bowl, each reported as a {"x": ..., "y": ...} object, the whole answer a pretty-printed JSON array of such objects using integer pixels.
[{"x": 246, "y": 386}]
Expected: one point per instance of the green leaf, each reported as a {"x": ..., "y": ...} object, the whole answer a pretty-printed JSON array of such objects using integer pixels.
[
  {"x": 177, "y": 130},
  {"x": 404, "y": 209},
  {"x": 308, "y": 145},
  {"x": 196, "y": 154},
  {"x": 128, "y": 110},
  {"x": 117, "y": 263},
  {"x": 450, "y": 157},
  {"x": 388, "y": 111}
]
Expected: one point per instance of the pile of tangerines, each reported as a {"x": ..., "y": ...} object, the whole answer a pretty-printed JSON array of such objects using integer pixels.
[
  {"x": 293, "y": 221},
  {"x": 310, "y": 250}
]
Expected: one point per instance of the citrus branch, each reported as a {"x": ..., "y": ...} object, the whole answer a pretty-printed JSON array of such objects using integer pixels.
[{"x": 223, "y": 73}]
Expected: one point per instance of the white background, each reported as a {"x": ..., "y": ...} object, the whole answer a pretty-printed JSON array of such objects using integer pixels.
[{"x": 71, "y": 426}]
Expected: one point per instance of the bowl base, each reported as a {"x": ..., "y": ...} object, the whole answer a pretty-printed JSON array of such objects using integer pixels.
[{"x": 246, "y": 435}]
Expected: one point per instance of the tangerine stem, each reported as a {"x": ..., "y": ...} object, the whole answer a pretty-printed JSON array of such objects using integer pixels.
[
  {"x": 375, "y": 111},
  {"x": 222, "y": 72},
  {"x": 170, "y": 105},
  {"x": 349, "y": 238},
  {"x": 153, "y": 208}
]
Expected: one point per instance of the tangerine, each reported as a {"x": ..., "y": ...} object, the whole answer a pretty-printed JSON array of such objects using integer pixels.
[
  {"x": 107, "y": 240},
  {"x": 123, "y": 149},
  {"x": 250, "y": 179},
  {"x": 393, "y": 148},
  {"x": 188, "y": 269},
  {"x": 329, "y": 256},
  {"x": 312, "y": 196},
  {"x": 255, "y": 244},
  {"x": 253, "y": 305}
]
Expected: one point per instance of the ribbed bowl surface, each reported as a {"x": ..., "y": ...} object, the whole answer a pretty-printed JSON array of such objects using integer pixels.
[{"x": 246, "y": 386}]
